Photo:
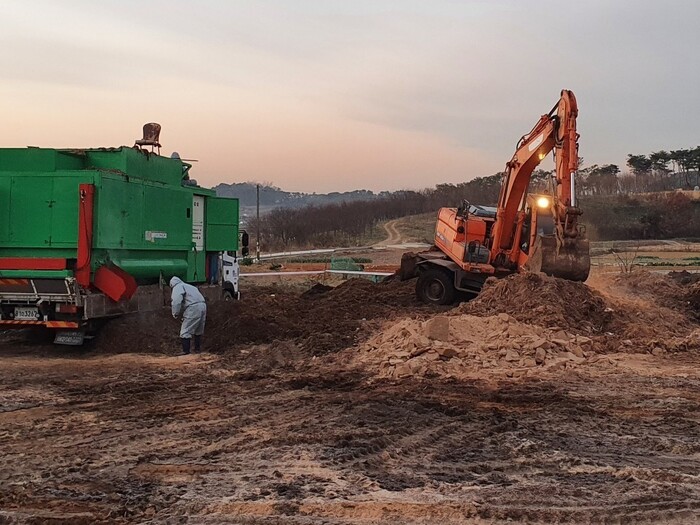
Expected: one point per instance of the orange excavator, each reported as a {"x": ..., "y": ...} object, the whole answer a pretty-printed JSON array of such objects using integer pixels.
[{"x": 525, "y": 232}]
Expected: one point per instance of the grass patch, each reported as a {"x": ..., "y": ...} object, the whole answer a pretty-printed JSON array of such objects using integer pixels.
[
  {"x": 669, "y": 263},
  {"x": 418, "y": 228}
]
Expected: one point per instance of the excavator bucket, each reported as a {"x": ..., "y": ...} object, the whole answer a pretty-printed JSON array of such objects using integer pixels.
[{"x": 571, "y": 260}]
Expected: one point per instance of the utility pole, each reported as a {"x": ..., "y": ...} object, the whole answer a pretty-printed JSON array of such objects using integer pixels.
[{"x": 257, "y": 223}]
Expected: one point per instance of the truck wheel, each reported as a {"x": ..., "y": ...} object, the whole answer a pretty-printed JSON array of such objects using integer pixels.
[
  {"x": 230, "y": 295},
  {"x": 435, "y": 287}
]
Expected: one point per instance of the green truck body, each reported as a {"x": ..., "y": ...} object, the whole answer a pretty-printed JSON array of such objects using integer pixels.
[
  {"x": 143, "y": 214},
  {"x": 148, "y": 218}
]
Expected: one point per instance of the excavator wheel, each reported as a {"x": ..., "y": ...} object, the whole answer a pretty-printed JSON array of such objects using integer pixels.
[{"x": 435, "y": 286}]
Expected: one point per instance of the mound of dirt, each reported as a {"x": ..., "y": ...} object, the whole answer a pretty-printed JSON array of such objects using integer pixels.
[
  {"x": 528, "y": 323},
  {"x": 460, "y": 346},
  {"x": 652, "y": 313},
  {"x": 675, "y": 289},
  {"x": 653, "y": 285},
  {"x": 676, "y": 294},
  {"x": 536, "y": 298},
  {"x": 319, "y": 322},
  {"x": 689, "y": 290},
  {"x": 684, "y": 277},
  {"x": 322, "y": 320},
  {"x": 317, "y": 289},
  {"x": 150, "y": 332},
  {"x": 693, "y": 297}
]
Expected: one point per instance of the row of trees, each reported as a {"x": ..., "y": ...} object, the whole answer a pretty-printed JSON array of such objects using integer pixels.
[
  {"x": 653, "y": 216},
  {"x": 593, "y": 180},
  {"x": 352, "y": 222},
  {"x": 626, "y": 216},
  {"x": 666, "y": 170},
  {"x": 658, "y": 171},
  {"x": 662, "y": 163}
]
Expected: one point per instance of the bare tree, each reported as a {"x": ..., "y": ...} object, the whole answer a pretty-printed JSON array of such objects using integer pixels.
[{"x": 626, "y": 259}]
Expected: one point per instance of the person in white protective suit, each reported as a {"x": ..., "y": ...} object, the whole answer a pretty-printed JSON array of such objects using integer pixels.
[{"x": 189, "y": 302}]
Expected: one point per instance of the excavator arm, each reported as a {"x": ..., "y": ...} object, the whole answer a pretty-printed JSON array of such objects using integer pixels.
[{"x": 565, "y": 253}]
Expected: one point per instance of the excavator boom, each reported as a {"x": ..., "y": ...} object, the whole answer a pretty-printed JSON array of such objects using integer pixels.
[{"x": 563, "y": 252}]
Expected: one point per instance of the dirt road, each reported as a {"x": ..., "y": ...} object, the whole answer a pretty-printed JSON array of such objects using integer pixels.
[
  {"x": 393, "y": 234},
  {"x": 277, "y": 433}
]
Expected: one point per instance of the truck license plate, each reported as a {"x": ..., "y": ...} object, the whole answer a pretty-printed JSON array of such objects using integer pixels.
[
  {"x": 26, "y": 313},
  {"x": 69, "y": 337}
]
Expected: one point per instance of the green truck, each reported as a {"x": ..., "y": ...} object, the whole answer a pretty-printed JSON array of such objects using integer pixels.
[{"x": 95, "y": 233}]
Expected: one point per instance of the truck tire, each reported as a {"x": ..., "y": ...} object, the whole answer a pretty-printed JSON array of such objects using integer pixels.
[
  {"x": 435, "y": 286},
  {"x": 231, "y": 295}
]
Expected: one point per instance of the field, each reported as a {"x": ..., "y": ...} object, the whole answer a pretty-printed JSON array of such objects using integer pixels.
[{"x": 542, "y": 400}]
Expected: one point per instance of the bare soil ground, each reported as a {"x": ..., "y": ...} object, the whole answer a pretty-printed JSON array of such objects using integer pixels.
[{"x": 298, "y": 412}]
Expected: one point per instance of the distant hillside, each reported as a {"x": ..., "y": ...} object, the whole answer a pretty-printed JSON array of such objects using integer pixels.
[{"x": 272, "y": 197}]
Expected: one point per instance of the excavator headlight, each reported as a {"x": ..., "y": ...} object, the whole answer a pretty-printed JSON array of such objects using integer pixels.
[
  {"x": 541, "y": 156},
  {"x": 543, "y": 202}
]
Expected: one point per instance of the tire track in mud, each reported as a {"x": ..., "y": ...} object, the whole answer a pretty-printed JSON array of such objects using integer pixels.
[{"x": 161, "y": 443}]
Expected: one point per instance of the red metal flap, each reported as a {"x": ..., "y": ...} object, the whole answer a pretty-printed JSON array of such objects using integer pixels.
[{"x": 31, "y": 263}]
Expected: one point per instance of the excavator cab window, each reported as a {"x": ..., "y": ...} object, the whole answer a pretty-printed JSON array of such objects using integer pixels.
[{"x": 545, "y": 223}]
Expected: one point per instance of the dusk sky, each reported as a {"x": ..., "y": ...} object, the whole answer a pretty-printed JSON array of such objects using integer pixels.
[{"x": 327, "y": 95}]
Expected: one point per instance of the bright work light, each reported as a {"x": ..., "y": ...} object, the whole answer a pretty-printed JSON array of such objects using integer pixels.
[{"x": 543, "y": 202}]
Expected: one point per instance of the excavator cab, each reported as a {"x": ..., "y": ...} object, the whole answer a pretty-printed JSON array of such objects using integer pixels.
[{"x": 539, "y": 221}]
